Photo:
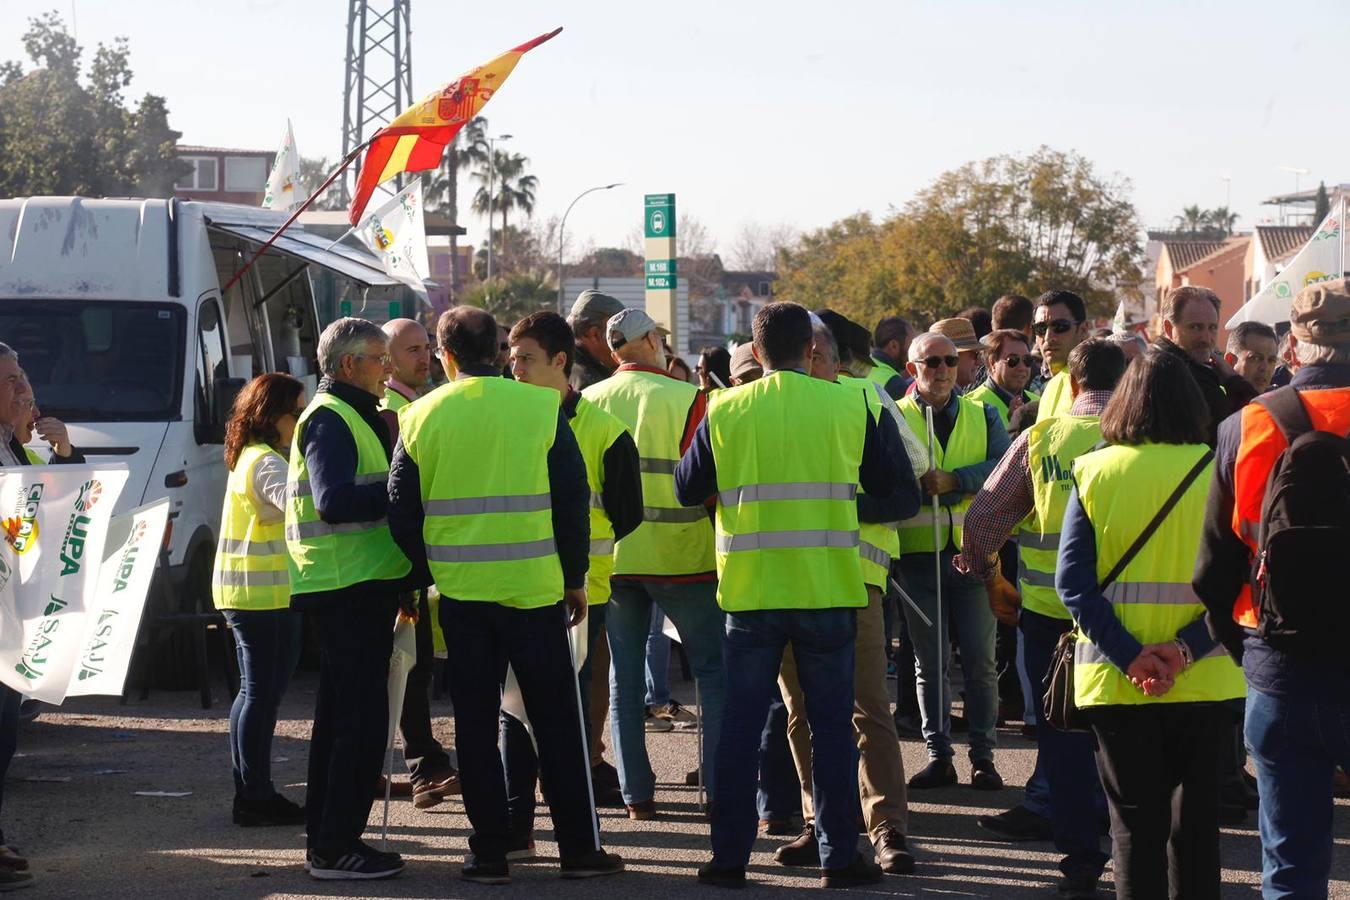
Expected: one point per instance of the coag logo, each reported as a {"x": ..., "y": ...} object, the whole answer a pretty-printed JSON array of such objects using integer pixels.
[
  {"x": 21, "y": 530},
  {"x": 90, "y": 492}
]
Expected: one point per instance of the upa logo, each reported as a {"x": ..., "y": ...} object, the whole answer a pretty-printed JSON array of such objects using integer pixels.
[
  {"x": 90, "y": 492},
  {"x": 21, "y": 530},
  {"x": 77, "y": 531},
  {"x": 126, "y": 566}
]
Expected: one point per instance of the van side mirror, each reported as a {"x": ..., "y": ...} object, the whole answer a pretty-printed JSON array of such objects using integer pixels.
[{"x": 224, "y": 392}]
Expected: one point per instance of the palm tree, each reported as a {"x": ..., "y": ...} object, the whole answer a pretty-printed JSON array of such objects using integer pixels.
[
  {"x": 1222, "y": 219},
  {"x": 469, "y": 148},
  {"x": 1191, "y": 220},
  {"x": 513, "y": 189}
]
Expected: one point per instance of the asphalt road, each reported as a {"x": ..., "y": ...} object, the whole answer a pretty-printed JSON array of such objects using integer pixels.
[{"x": 70, "y": 805}]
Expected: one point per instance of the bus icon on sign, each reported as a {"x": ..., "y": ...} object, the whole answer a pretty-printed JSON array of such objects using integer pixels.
[{"x": 658, "y": 221}]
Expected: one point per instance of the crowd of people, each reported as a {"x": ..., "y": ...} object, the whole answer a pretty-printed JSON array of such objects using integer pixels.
[{"x": 1114, "y": 537}]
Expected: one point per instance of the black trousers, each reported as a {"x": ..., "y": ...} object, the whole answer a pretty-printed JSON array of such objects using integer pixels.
[
  {"x": 482, "y": 639},
  {"x": 424, "y": 754},
  {"x": 351, "y": 718},
  {"x": 1159, "y": 765}
]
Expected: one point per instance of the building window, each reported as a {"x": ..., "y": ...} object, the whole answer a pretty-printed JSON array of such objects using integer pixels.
[
  {"x": 245, "y": 173},
  {"x": 201, "y": 174},
  {"x": 764, "y": 289}
]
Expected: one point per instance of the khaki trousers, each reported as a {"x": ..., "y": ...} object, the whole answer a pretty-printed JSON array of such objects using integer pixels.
[
  {"x": 881, "y": 770},
  {"x": 599, "y": 706}
]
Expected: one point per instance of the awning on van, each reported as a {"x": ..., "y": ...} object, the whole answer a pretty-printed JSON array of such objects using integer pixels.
[{"x": 350, "y": 262}]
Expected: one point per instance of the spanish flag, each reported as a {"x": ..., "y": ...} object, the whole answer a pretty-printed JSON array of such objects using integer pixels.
[{"x": 415, "y": 141}]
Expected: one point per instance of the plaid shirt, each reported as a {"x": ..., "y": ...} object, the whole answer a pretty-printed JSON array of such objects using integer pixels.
[{"x": 1006, "y": 497}]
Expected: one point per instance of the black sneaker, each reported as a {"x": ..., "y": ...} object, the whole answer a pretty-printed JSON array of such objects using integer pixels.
[
  {"x": 361, "y": 863},
  {"x": 804, "y": 851},
  {"x": 1017, "y": 824},
  {"x": 938, "y": 773},
  {"x": 604, "y": 777},
  {"x": 857, "y": 873},
  {"x": 721, "y": 876},
  {"x": 276, "y": 810},
  {"x": 592, "y": 865},
  {"x": 984, "y": 777},
  {"x": 1078, "y": 886},
  {"x": 485, "y": 871}
]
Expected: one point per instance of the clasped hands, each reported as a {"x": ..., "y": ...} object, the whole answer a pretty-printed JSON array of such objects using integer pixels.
[{"x": 1155, "y": 669}]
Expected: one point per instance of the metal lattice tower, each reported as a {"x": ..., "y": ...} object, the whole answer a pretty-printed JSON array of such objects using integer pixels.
[{"x": 378, "y": 83}]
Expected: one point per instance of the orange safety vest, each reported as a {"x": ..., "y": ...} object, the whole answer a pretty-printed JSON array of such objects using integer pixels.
[{"x": 1262, "y": 443}]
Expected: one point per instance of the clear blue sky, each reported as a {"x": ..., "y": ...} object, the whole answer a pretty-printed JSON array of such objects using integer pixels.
[{"x": 789, "y": 112}]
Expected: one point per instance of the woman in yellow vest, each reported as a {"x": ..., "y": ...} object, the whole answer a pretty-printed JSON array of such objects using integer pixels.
[
  {"x": 1147, "y": 675},
  {"x": 251, "y": 587}
]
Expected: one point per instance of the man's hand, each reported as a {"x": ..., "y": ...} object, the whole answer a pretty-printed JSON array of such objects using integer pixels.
[
  {"x": 937, "y": 482},
  {"x": 1155, "y": 669},
  {"x": 1004, "y": 601},
  {"x": 1221, "y": 365},
  {"x": 54, "y": 432},
  {"x": 575, "y": 602}
]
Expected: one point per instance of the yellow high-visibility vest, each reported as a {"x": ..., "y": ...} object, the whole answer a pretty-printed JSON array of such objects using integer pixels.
[
  {"x": 251, "y": 569},
  {"x": 967, "y": 446},
  {"x": 878, "y": 542},
  {"x": 596, "y": 431}
]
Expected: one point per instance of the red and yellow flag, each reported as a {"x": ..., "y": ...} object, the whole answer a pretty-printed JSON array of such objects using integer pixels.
[{"x": 416, "y": 140}]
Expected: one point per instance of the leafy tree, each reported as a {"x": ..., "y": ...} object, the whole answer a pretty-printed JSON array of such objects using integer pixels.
[
  {"x": 64, "y": 134},
  {"x": 1221, "y": 221},
  {"x": 514, "y": 297},
  {"x": 1322, "y": 207},
  {"x": 312, "y": 174},
  {"x": 469, "y": 148},
  {"x": 511, "y": 188},
  {"x": 1192, "y": 221}
]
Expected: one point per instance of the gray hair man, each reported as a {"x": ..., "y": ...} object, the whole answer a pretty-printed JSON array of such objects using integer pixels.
[
  {"x": 589, "y": 318},
  {"x": 11, "y": 377}
]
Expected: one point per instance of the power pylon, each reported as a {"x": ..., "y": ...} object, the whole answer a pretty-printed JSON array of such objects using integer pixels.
[{"x": 378, "y": 84}]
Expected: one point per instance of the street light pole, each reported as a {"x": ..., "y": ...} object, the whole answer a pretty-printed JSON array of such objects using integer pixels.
[
  {"x": 492, "y": 194},
  {"x": 562, "y": 310}
]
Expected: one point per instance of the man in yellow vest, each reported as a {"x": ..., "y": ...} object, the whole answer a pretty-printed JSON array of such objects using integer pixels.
[
  {"x": 1060, "y": 324},
  {"x": 542, "y": 348},
  {"x": 890, "y": 348},
  {"x": 488, "y": 497},
  {"x": 970, "y": 439},
  {"x": 667, "y": 561},
  {"x": 1030, "y": 486},
  {"x": 785, "y": 457},
  {"x": 433, "y": 778},
  {"x": 347, "y": 576}
]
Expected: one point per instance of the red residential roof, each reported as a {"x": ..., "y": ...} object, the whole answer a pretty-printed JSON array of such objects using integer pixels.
[
  {"x": 1281, "y": 241},
  {"x": 1184, "y": 254},
  {"x": 1228, "y": 247}
]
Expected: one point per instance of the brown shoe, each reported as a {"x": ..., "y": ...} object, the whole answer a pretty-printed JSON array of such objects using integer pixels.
[
  {"x": 430, "y": 791},
  {"x": 398, "y": 790},
  {"x": 642, "y": 811},
  {"x": 893, "y": 853}
]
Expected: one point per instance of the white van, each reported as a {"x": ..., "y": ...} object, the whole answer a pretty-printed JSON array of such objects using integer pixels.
[{"x": 116, "y": 311}]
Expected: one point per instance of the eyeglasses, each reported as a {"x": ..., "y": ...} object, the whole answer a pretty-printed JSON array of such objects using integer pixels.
[
  {"x": 1016, "y": 361},
  {"x": 1058, "y": 326},
  {"x": 384, "y": 359},
  {"x": 933, "y": 362}
]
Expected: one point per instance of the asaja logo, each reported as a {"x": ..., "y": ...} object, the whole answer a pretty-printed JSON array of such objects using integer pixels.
[
  {"x": 21, "y": 530},
  {"x": 90, "y": 492},
  {"x": 35, "y": 659}
]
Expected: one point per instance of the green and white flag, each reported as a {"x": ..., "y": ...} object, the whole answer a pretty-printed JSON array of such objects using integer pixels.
[
  {"x": 283, "y": 191},
  {"x": 397, "y": 234},
  {"x": 1321, "y": 259}
]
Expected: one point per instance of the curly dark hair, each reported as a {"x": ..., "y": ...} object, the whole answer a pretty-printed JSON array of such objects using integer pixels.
[{"x": 256, "y": 410}]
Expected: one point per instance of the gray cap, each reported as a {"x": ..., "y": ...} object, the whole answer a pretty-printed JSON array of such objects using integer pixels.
[
  {"x": 630, "y": 325},
  {"x": 594, "y": 308},
  {"x": 743, "y": 361}
]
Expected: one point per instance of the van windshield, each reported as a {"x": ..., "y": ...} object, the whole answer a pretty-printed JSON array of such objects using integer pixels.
[{"x": 99, "y": 361}]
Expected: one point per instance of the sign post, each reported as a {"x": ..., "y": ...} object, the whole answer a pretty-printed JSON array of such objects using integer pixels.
[{"x": 662, "y": 281}]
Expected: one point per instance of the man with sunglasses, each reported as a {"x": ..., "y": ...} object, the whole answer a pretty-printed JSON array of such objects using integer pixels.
[
  {"x": 1008, "y": 360},
  {"x": 969, "y": 441},
  {"x": 1060, "y": 324}
]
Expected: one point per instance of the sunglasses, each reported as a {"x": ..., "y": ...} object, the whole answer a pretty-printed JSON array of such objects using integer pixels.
[
  {"x": 1016, "y": 361},
  {"x": 1058, "y": 326},
  {"x": 933, "y": 362}
]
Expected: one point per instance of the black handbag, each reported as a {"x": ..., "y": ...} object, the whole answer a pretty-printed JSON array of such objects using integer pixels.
[{"x": 1060, "y": 710}]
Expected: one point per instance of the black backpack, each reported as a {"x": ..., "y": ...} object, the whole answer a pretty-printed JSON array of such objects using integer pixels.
[{"x": 1299, "y": 590}]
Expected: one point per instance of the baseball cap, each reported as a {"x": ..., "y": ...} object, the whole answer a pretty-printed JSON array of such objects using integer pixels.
[
  {"x": 593, "y": 306},
  {"x": 1320, "y": 313},
  {"x": 743, "y": 361},
  {"x": 630, "y": 325},
  {"x": 960, "y": 331}
]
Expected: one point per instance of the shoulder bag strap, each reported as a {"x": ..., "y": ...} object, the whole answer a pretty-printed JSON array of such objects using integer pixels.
[{"x": 1162, "y": 513}]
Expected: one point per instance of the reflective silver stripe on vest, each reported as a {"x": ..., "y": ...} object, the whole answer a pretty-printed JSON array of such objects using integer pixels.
[
  {"x": 782, "y": 540},
  {"x": 308, "y": 530},
  {"x": 1038, "y": 579},
  {"x": 302, "y": 488},
  {"x": 790, "y": 490},
  {"x": 251, "y": 579},
  {"x": 874, "y": 554},
  {"x": 1167, "y": 593},
  {"x": 251, "y": 548},
  {"x": 657, "y": 466},
  {"x": 1030, "y": 540},
  {"x": 477, "y": 506},
  {"x": 602, "y": 547},
  {"x": 597, "y": 500},
  {"x": 477, "y": 553},
  {"x": 682, "y": 515},
  {"x": 1087, "y": 653}
]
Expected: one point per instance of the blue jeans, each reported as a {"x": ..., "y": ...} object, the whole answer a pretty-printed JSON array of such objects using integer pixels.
[
  {"x": 268, "y": 646},
  {"x": 823, "y": 645},
  {"x": 10, "y": 701},
  {"x": 1067, "y": 762},
  {"x": 965, "y": 602},
  {"x": 693, "y": 608},
  {"x": 658, "y": 660},
  {"x": 1295, "y": 741},
  {"x": 780, "y": 794}
]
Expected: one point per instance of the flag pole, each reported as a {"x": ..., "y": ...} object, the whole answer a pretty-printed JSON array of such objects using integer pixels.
[{"x": 342, "y": 166}]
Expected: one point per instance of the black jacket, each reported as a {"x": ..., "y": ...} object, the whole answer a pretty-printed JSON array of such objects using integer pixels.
[
  {"x": 1223, "y": 396},
  {"x": 587, "y": 370}
]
